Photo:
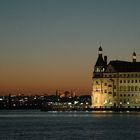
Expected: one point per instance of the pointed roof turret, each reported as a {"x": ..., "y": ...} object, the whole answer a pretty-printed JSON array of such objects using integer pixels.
[
  {"x": 100, "y": 61},
  {"x": 100, "y": 50},
  {"x": 134, "y": 57},
  {"x": 134, "y": 54}
]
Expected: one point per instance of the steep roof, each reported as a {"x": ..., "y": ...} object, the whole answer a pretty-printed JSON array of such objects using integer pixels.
[
  {"x": 125, "y": 66},
  {"x": 100, "y": 61}
]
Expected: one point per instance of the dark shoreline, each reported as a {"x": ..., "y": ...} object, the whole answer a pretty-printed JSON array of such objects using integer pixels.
[
  {"x": 93, "y": 109},
  {"x": 79, "y": 109}
]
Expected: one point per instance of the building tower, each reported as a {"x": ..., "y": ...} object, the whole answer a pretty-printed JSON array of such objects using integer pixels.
[
  {"x": 97, "y": 80},
  {"x": 100, "y": 64}
]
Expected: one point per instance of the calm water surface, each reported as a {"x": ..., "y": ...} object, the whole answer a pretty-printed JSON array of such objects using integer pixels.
[{"x": 36, "y": 125}]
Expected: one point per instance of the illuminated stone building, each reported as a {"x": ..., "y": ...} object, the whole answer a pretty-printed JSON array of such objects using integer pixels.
[{"x": 116, "y": 84}]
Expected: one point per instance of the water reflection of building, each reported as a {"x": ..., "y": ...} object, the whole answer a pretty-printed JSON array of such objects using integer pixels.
[{"x": 116, "y": 84}]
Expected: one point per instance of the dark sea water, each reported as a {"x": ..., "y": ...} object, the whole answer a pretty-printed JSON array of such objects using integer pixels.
[{"x": 36, "y": 125}]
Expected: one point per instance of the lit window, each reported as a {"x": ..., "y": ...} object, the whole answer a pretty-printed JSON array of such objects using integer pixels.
[{"x": 103, "y": 69}]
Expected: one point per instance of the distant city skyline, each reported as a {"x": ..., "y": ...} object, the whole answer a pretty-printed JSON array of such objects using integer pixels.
[{"x": 49, "y": 45}]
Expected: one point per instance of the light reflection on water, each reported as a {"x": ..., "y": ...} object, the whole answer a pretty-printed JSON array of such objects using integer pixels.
[{"x": 36, "y": 125}]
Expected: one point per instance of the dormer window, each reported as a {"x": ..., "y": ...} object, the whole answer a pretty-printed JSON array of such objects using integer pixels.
[
  {"x": 103, "y": 70},
  {"x": 97, "y": 70}
]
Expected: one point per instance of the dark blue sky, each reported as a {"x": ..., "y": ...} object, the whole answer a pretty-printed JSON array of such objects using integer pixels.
[{"x": 52, "y": 44}]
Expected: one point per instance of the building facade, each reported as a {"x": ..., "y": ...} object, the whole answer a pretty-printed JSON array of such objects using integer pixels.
[{"x": 116, "y": 84}]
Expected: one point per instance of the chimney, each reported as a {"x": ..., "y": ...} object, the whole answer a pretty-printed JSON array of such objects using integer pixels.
[{"x": 105, "y": 60}]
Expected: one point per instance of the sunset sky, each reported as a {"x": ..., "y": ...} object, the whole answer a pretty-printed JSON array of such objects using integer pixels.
[{"x": 47, "y": 45}]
